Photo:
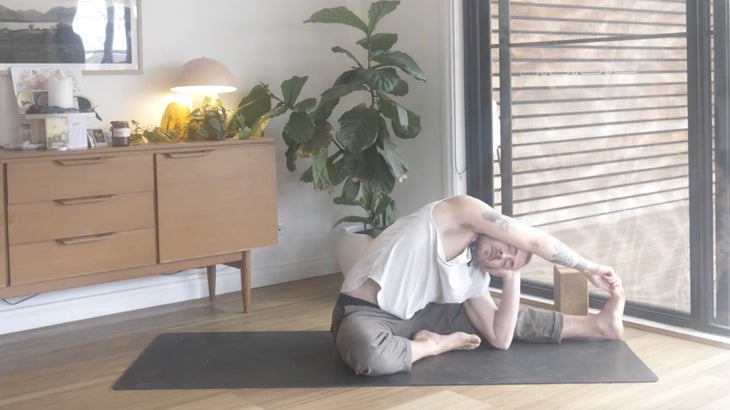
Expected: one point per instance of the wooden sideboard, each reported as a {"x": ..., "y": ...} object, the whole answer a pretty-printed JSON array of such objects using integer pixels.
[{"x": 84, "y": 217}]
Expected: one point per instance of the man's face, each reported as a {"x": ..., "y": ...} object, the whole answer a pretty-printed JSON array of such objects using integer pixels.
[{"x": 490, "y": 253}]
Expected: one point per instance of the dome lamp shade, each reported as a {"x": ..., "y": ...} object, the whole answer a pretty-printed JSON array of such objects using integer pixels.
[{"x": 204, "y": 76}]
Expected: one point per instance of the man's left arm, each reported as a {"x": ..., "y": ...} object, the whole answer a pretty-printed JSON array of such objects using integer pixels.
[{"x": 497, "y": 323}]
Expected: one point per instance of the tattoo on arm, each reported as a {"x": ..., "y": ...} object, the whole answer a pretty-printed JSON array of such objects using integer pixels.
[
  {"x": 567, "y": 257},
  {"x": 497, "y": 218}
]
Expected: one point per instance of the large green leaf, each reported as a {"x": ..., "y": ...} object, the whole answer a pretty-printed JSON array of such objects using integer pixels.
[
  {"x": 300, "y": 127},
  {"x": 338, "y": 49},
  {"x": 319, "y": 172},
  {"x": 259, "y": 126},
  {"x": 371, "y": 170},
  {"x": 291, "y": 88},
  {"x": 321, "y": 138},
  {"x": 378, "y": 10},
  {"x": 386, "y": 207},
  {"x": 254, "y": 105},
  {"x": 379, "y": 42},
  {"x": 347, "y": 82},
  {"x": 381, "y": 79},
  {"x": 359, "y": 128},
  {"x": 325, "y": 107},
  {"x": 394, "y": 157},
  {"x": 291, "y": 157},
  {"x": 307, "y": 175},
  {"x": 401, "y": 60},
  {"x": 339, "y": 15},
  {"x": 343, "y": 200},
  {"x": 349, "y": 76},
  {"x": 350, "y": 189},
  {"x": 356, "y": 167},
  {"x": 341, "y": 90},
  {"x": 382, "y": 180},
  {"x": 400, "y": 89},
  {"x": 306, "y": 105},
  {"x": 336, "y": 169},
  {"x": 406, "y": 123},
  {"x": 392, "y": 109}
]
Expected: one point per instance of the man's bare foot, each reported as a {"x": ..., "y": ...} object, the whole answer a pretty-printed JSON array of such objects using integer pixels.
[
  {"x": 426, "y": 343},
  {"x": 610, "y": 318}
]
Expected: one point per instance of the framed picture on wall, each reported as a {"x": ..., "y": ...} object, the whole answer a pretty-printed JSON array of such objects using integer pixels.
[{"x": 95, "y": 35}]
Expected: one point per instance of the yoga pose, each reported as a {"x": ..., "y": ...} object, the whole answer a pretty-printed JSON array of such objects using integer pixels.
[{"x": 422, "y": 289}]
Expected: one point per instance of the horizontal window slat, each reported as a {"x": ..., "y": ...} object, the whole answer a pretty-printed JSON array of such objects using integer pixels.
[
  {"x": 577, "y": 161},
  {"x": 579, "y": 182},
  {"x": 559, "y": 174},
  {"x": 600, "y": 208},
  {"x": 588, "y": 28},
  {"x": 588, "y": 54},
  {"x": 557, "y": 68},
  {"x": 588, "y": 79},
  {"x": 613, "y": 217},
  {"x": 525, "y": 137},
  {"x": 596, "y": 195},
  {"x": 525, "y": 110},
  {"x": 611, "y": 9},
  {"x": 628, "y": 180},
  {"x": 628, "y": 92},
  {"x": 598, "y": 144},
  {"x": 596, "y": 119}
]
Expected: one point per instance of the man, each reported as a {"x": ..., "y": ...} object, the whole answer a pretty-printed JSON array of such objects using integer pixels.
[{"x": 422, "y": 289}]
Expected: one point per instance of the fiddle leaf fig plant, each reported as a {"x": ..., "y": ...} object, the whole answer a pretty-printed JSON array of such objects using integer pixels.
[{"x": 358, "y": 151}]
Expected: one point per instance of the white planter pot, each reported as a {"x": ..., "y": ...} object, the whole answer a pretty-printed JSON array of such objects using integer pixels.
[{"x": 351, "y": 246}]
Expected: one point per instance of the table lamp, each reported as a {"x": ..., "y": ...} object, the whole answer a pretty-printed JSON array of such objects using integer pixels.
[{"x": 204, "y": 76}]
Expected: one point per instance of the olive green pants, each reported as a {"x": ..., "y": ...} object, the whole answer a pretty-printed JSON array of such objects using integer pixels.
[{"x": 373, "y": 342}]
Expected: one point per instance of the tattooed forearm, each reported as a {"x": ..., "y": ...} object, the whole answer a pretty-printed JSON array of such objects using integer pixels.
[
  {"x": 567, "y": 257},
  {"x": 497, "y": 218}
]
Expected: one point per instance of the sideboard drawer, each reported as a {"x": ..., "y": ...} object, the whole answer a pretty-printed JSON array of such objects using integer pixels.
[
  {"x": 72, "y": 217},
  {"x": 49, "y": 179},
  {"x": 65, "y": 258}
]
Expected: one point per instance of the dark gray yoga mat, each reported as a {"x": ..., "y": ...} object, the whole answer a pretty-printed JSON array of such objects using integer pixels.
[{"x": 308, "y": 359}]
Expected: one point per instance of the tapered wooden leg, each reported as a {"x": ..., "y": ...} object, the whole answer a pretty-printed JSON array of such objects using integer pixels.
[
  {"x": 571, "y": 291},
  {"x": 246, "y": 280},
  {"x": 211, "y": 282}
]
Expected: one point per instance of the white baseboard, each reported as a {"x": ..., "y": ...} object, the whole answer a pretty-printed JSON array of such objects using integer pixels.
[{"x": 70, "y": 305}]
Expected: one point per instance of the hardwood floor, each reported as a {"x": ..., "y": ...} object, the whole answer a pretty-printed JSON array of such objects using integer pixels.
[{"x": 73, "y": 366}]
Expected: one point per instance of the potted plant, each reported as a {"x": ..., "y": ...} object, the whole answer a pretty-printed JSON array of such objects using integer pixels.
[
  {"x": 207, "y": 122},
  {"x": 358, "y": 151}
]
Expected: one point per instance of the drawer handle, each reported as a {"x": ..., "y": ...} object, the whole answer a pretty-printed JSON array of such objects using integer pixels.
[
  {"x": 84, "y": 200},
  {"x": 85, "y": 239},
  {"x": 177, "y": 155},
  {"x": 82, "y": 161}
]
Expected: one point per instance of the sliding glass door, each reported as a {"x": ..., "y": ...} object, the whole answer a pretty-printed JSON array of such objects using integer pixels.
[{"x": 599, "y": 139}]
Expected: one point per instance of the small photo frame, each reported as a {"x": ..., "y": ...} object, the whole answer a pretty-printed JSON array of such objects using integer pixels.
[
  {"x": 40, "y": 98},
  {"x": 96, "y": 137}
]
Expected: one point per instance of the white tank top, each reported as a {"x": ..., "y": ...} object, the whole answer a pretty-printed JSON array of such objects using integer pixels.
[{"x": 407, "y": 261}]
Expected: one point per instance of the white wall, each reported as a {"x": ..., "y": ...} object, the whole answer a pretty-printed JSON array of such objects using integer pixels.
[{"x": 261, "y": 41}]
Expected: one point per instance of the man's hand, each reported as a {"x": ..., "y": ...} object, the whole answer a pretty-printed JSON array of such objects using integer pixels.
[{"x": 603, "y": 277}]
